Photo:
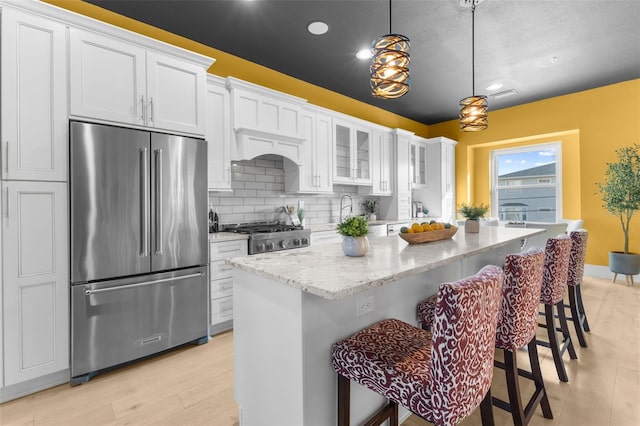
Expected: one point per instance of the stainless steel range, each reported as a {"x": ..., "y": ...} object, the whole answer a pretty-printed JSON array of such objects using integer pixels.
[{"x": 265, "y": 237}]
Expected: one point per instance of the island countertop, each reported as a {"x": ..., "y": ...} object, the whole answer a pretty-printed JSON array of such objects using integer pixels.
[{"x": 326, "y": 272}]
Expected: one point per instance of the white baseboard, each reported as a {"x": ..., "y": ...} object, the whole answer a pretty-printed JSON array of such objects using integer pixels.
[
  {"x": 598, "y": 271},
  {"x": 34, "y": 385}
]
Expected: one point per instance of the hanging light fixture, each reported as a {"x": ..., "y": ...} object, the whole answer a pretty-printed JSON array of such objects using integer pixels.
[
  {"x": 390, "y": 65},
  {"x": 473, "y": 111}
]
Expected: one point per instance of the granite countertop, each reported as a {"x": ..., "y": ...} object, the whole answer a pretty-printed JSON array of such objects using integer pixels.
[
  {"x": 218, "y": 237},
  {"x": 325, "y": 271},
  {"x": 332, "y": 226}
]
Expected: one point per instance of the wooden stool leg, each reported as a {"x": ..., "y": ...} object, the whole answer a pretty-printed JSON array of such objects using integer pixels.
[
  {"x": 575, "y": 315},
  {"x": 564, "y": 328},
  {"x": 583, "y": 314},
  {"x": 344, "y": 400},
  {"x": 615, "y": 275},
  {"x": 513, "y": 388},
  {"x": 536, "y": 372},
  {"x": 486, "y": 410},
  {"x": 553, "y": 343},
  {"x": 631, "y": 278}
]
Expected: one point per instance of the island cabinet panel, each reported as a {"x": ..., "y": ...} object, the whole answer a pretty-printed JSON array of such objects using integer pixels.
[
  {"x": 35, "y": 280},
  {"x": 118, "y": 81},
  {"x": 218, "y": 135},
  {"x": 221, "y": 282},
  {"x": 33, "y": 97}
]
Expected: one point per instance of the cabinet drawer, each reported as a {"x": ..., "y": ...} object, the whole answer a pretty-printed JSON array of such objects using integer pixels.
[
  {"x": 221, "y": 288},
  {"x": 227, "y": 249},
  {"x": 219, "y": 269},
  {"x": 221, "y": 309}
]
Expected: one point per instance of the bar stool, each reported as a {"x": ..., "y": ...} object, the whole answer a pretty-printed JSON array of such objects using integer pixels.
[
  {"x": 441, "y": 376},
  {"x": 574, "y": 279},
  {"x": 554, "y": 281},
  {"x": 517, "y": 324}
]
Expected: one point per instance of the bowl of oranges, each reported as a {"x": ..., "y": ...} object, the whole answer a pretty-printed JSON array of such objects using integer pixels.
[{"x": 425, "y": 232}]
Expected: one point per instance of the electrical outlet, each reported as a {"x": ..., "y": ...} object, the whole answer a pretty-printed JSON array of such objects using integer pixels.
[
  {"x": 364, "y": 305},
  {"x": 301, "y": 204}
]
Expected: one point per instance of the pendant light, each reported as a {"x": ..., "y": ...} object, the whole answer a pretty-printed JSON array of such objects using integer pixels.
[
  {"x": 390, "y": 65},
  {"x": 473, "y": 111}
]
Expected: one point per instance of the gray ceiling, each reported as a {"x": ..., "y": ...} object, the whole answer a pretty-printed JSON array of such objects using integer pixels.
[{"x": 596, "y": 42}]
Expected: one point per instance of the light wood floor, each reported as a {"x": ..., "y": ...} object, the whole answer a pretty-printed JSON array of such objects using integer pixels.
[{"x": 194, "y": 385}]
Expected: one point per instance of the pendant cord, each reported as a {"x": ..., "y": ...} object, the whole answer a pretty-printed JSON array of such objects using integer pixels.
[
  {"x": 473, "y": 48},
  {"x": 389, "y": 16}
]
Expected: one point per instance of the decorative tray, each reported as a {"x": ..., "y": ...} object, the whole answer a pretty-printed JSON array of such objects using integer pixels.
[{"x": 425, "y": 237}]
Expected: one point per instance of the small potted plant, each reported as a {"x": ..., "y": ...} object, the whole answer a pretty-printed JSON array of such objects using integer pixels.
[
  {"x": 472, "y": 214},
  {"x": 354, "y": 230},
  {"x": 370, "y": 207},
  {"x": 620, "y": 194}
]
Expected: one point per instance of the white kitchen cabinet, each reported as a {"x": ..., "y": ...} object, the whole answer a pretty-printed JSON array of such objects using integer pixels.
[
  {"x": 265, "y": 121},
  {"x": 440, "y": 196},
  {"x": 221, "y": 282},
  {"x": 34, "y": 97},
  {"x": 398, "y": 206},
  {"x": 418, "y": 162},
  {"x": 35, "y": 280},
  {"x": 118, "y": 81},
  {"x": 315, "y": 174},
  {"x": 352, "y": 153},
  {"x": 218, "y": 135},
  {"x": 382, "y": 163}
]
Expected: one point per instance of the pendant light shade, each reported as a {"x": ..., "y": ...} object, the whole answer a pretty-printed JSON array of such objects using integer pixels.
[
  {"x": 389, "y": 67},
  {"x": 473, "y": 109}
]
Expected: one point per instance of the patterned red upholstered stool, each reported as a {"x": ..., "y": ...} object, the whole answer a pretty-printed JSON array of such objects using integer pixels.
[
  {"x": 441, "y": 376},
  {"x": 517, "y": 325},
  {"x": 554, "y": 282},
  {"x": 574, "y": 279}
]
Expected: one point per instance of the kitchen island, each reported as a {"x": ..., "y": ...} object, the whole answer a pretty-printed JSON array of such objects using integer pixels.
[{"x": 291, "y": 306}]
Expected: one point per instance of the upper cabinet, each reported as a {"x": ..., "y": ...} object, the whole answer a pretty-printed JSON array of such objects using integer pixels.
[
  {"x": 352, "y": 153},
  {"x": 382, "y": 163},
  {"x": 315, "y": 174},
  {"x": 418, "y": 162},
  {"x": 118, "y": 81},
  {"x": 33, "y": 97},
  {"x": 265, "y": 121},
  {"x": 440, "y": 197},
  {"x": 398, "y": 205},
  {"x": 218, "y": 135}
]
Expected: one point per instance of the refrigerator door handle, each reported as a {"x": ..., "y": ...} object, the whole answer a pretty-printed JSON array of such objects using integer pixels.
[
  {"x": 158, "y": 158},
  {"x": 88, "y": 291},
  {"x": 144, "y": 205}
]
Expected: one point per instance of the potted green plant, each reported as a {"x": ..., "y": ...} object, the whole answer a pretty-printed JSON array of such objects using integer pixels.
[
  {"x": 354, "y": 230},
  {"x": 370, "y": 207},
  {"x": 472, "y": 214},
  {"x": 620, "y": 192}
]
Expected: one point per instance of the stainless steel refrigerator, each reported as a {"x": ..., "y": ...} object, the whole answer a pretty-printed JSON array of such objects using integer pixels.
[{"x": 139, "y": 245}]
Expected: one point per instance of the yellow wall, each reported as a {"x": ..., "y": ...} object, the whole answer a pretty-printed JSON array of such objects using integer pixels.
[
  {"x": 229, "y": 65},
  {"x": 591, "y": 125}
]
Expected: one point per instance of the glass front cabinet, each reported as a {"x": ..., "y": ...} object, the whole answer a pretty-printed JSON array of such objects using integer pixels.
[{"x": 352, "y": 149}]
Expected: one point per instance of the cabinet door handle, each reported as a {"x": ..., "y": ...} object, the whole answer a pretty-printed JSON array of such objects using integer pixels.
[
  {"x": 151, "y": 105},
  {"x": 8, "y": 204},
  {"x": 7, "y": 159},
  {"x": 142, "y": 108},
  {"x": 229, "y": 174},
  {"x": 144, "y": 196}
]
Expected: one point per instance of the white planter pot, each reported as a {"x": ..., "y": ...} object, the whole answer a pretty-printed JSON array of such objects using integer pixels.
[
  {"x": 355, "y": 246},
  {"x": 472, "y": 226}
]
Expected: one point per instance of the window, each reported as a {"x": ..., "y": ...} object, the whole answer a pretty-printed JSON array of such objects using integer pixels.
[{"x": 526, "y": 183}]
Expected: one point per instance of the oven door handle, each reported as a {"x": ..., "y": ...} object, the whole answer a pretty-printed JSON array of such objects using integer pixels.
[{"x": 88, "y": 291}]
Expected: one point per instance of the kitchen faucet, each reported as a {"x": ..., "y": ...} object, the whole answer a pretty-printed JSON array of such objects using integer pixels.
[{"x": 342, "y": 206}]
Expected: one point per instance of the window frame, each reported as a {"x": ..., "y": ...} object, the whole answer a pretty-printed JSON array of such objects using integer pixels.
[{"x": 557, "y": 146}]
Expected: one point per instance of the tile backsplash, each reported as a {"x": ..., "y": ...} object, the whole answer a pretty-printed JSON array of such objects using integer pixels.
[{"x": 258, "y": 194}]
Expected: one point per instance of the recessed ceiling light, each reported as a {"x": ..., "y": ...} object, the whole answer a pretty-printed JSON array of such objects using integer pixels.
[
  {"x": 554, "y": 60},
  {"x": 364, "y": 53},
  {"x": 318, "y": 28},
  {"x": 504, "y": 94},
  {"x": 494, "y": 86}
]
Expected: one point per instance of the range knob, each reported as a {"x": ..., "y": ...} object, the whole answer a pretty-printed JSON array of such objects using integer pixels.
[
  {"x": 296, "y": 241},
  {"x": 260, "y": 247},
  {"x": 269, "y": 246},
  {"x": 305, "y": 241},
  {"x": 282, "y": 244}
]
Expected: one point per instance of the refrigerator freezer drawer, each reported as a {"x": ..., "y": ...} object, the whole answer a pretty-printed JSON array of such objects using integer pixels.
[{"x": 119, "y": 321}]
